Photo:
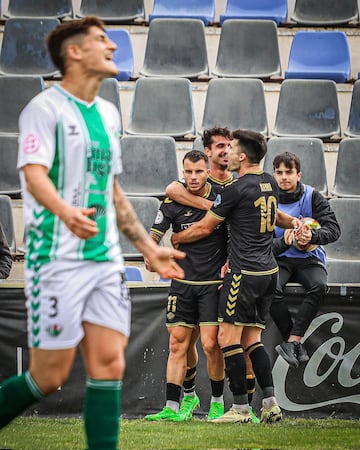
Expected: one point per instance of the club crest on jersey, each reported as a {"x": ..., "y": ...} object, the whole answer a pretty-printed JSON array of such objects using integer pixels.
[
  {"x": 217, "y": 201},
  {"x": 54, "y": 330}
]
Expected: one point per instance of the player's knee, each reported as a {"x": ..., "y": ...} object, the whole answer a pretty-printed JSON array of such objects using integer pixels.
[{"x": 211, "y": 346}]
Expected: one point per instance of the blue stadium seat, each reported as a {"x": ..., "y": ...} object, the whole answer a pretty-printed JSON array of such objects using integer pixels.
[
  {"x": 353, "y": 126},
  {"x": 184, "y": 9},
  {"x": 133, "y": 273},
  {"x": 123, "y": 55},
  {"x": 320, "y": 54},
  {"x": 308, "y": 108},
  {"x": 248, "y": 49},
  {"x": 325, "y": 12},
  {"x": 23, "y": 49},
  {"x": 56, "y": 9},
  {"x": 113, "y": 11},
  {"x": 276, "y": 10},
  {"x": 176, "y": 48},
  {"x": 162, "y": 106}
]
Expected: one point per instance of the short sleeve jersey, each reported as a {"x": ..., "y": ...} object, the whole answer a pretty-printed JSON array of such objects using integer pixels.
[
  {"x": 249, "y": 206},
  {"x": 79, "y": 144},
  {"x": 205, "y": 257}
]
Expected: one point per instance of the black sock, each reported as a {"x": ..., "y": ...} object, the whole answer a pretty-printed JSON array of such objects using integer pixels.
[
  {"x": 189, "y": 381},
  {"x": 173, "y": 392},
  {"x": 235, "y": 369},
  {"x": 217, "y": 388},
  {"x": 250, "y": 382},
  {"x": 262, "y": 366}
]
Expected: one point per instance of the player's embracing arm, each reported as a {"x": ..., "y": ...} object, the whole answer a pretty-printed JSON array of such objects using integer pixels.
[
  {"x": 162, "y": 259},
  {"x": 197, "y": 231}
]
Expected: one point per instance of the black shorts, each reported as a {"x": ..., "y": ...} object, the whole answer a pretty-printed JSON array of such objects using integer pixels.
[
  {"x": 246, "y": 299},
  {"x": 192, "y": 304}
]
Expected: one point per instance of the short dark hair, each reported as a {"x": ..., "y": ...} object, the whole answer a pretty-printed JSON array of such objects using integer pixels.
[
  {"x": 66, "y": 30},
  {"x": 215, "y": 131},
  {"x": 253, "y": 144},
  {"x": 289, "y": 159},
  {"x": 195, "y": 156}
]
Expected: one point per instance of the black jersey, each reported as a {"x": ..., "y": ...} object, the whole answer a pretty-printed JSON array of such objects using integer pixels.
[
  {"x": 205, "y": 257},
  {"x": 249, "y": 206}
]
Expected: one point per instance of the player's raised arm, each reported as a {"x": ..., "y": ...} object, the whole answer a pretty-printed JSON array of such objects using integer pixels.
[{"x": 161, "y": 259}]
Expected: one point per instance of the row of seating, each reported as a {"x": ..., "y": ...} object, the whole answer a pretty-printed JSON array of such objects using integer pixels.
[
  {"x": 306, "y": 12},
  {"x": 156, "y": 161},
  {"x": 177, "y": 48},
  {"x": 164, "y": 106},
  {"x": 342, "y": 256}
]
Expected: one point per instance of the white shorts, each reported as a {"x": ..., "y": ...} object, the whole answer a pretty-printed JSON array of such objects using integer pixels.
[{"x": 62, "y": 295}]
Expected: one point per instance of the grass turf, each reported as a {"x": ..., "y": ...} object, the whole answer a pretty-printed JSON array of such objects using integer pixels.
[{"x": 33, "y": 433}]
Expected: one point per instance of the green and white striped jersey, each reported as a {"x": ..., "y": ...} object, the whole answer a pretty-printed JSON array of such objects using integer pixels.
[{"x": 79, "y": 144}]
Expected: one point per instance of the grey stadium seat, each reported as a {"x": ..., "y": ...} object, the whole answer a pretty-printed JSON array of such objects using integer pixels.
[
  {"x": 325, "y": 12},
  {"x": 248, "y": 48},
  {"x": 7, "y": 221},
  {"x": 343, "y": 260},
  {"x": 113, "y": 11},
  {"x": 353, "y": 126},
  {"x": 176, "y": 48},
  {"x": 311, "y": 154},
  {"x": 56, "y": 9},
  {"x": 347, "y": 180},
  {"x": 146, "y": 209},
  {"x": 307, "y": 108},
  {"x": 162, "y": 106},
  {"x": 228, "y": 103},
  {"x": 9, "y": 176},
  {"x": 23, "y": 48},
  {"x": 149, "y": 165},
  {"x": 15, "y": 92},
  {"x": 109, "y": 90}
]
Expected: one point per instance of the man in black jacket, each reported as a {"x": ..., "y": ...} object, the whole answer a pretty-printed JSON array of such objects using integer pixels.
[
  {"x": 301, "y": 260},
  {"x": 5, "y": 256}
]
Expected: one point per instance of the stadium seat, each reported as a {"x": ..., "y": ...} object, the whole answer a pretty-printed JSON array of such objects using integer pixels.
[
  {"x": 311, "y": 154},
  {"x": 307, "y": 108},
  {"x": 162, "y": 106},
  {"x": 325, "y": 12},
  {"x": 343, "y": 271},
  {"x": 7, "y": 221},
  {"x": 248, "y": 48},
  {"x": 176, "y": 48},
  {"x": 109, "y": 90},
  {"x": 319, "y": 54},
  {"x": 55, "y": 9},
  {"x": 15, "y": 92},
  {"x": 23, "y": 49},
  {"x": 184, "y": 9},
  {"x": 347, "y": 247},
  {"x": 276, "y": 10},
  {"x": 113, "y": 11},
  {"x": 347, "y": 180},
  {"x": 149, "y": 165},
  {"x": 9, "y": 176},
  {"x": 123, "y": 55},
  {"x": 133, "y": 273},
  {"x": 198, "y": 144},
  {"x": 227, "y": 105},
  {"x": 353, "y": 125},
  {"x": 146, "y": 209}
]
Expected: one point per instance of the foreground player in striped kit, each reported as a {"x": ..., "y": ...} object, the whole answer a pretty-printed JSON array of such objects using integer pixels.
[{"x": 69, "y": 158}]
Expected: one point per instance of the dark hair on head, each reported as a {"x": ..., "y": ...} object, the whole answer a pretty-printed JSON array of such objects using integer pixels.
[
  {"x": 215, "y": 131},
  {"x": 289, "y": 159},
  {"x": 195, "y": 156},
  {"x": 66, "y": 30},
  {"x": 253, "y": 144}
]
